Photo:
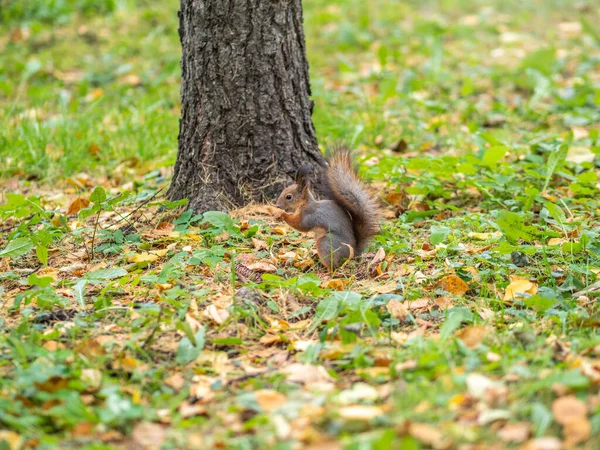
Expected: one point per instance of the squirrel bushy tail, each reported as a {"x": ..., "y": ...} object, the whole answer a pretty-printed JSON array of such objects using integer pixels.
[{"x": 349, "y": 191}]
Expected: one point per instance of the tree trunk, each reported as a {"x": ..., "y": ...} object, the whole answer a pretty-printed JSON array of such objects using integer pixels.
[{"x": 246, "y": 124}]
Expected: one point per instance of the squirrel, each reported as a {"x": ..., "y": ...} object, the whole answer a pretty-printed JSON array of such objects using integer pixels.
[{"x": 344, "y": 221}]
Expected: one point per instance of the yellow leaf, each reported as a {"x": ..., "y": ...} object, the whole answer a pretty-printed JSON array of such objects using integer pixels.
[
  {"x": 280, "y": 230},
  {"x": 13, "y": 439},
  {"x": 453, "y": 285},
  {"x": 360, "y": 412},
  {"x": 335, "y": 283},
  {"x": 485, "y": 236},
  {"x": 149, "y": 256},
  {"x": 517, "y": 286}
]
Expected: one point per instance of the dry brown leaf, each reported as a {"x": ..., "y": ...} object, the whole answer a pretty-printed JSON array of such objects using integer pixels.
[
  {"x": 514, "y": 432},
  {"x": 259, "y": 244},
  {"x": 148, "y": 435},
  {"x": 397, "y": 309},
  {"x": 269, "y": 400},
  {"x": 77, "y": 205},
  {"x": 418, "y": 304},
  {"x": 443, "y": 303},
  {"x": 176, "y": 381},
  {"x": 453, "y": 285},
  {"x": 591, "y": 369},
  {"x": 567, "y": 409},
  {"x": 188, "y": 410},
  {"x": 577, "y": 431},
  {"x": 543, "y": 443},
  {"x": 473, "y": 335},
  {"x": 262, "y": 266},
  {"x": 270, "y": 339},
  {"x": 306, "y": 374},
  {"x": 216, "y": 314},
  {"x": 375, "y": 263},
  {"x": 519, "y": 285},
  {"x": 428, "y": 434}
]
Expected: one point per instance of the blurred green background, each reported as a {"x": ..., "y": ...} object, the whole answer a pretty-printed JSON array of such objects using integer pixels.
[{"x": 86, "y": 85}]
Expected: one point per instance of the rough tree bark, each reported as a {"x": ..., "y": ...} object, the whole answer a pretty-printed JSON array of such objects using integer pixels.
[{"x": 246, "y": 122}]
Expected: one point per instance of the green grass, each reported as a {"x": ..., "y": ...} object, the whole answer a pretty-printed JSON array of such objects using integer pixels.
[{"x": 477, "y": 120}]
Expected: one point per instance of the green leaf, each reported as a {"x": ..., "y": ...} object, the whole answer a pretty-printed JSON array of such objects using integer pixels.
[
  {"x": 106, "y": 274},
  {"x": 541, "y": 417},
  {"x": 556, "y": 158},
  {"x": 99, "y": 195},
  {"x": 17, "y": 247},
  {"x": 513, "y": 227},
  {"x": 187, "y": 351},
  {"x": 556, "y": 212},
  {"x": 438, "y": 234},
  {"x": 327, "y": 309},
  {"x": 42, "y": 254},
  {"x": 493, "y": 155},
  {"x": 79, "y": 292},
  {"x": 34, "y": 280},
  {"x": 540, "y": 60},
  {"x": 538, "y": 303},
  {"x": 456, "y": 316},
  {"x": 227, "y": 341}
]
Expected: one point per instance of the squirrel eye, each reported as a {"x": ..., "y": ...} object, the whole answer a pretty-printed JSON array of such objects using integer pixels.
[{"x": 289, "y": 196}]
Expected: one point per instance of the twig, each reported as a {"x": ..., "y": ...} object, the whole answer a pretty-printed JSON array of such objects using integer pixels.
[
  {"x": 144, "y": 203},
  {"x": 148, "y": 340},
  {"x": 94, "y": 235}
]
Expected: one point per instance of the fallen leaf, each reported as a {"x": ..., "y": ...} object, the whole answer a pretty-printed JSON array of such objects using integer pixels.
[
  {"x": 269, "y": 400},
  {"x": 259, "y": 244},
  {"x": 77, "y": 205},
  {"x": 473, "y": 335},
  {"x": 176, "y": 381},
  {"x": 262, "y": 266},
  {"x": 306, "y": 374},
  {"x": 519, "y": 285},
  {"x": 485, "y": 236},
  {"x": 148, "y": 435},
  {"x": 514, "y": 432},
  {"x": 216, "y": 314},
  {"x": 543, "y": 443},
  {"x": 92, "y": 377},
  {"x": 577, "y": 431},
  {"x": 13, "y": 439},
  {"x": 360, "y": 412},
  {"x": 567, "y": 409},
  {"x": 397, "y": 309},
  {"x": 335, "y": 283},
  {"x": 427, "y": 434},
  {"x": 418, "y": 304},
  {"x": 453, "y": 285}
]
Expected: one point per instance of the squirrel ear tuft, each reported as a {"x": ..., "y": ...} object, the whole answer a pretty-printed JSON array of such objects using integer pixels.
[{"x": 303, "y": 175}]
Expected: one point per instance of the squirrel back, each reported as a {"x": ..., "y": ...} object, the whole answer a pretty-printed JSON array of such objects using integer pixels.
[{"x": 347, "y": 189}]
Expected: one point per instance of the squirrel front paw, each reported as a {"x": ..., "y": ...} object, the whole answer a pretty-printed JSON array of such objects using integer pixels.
[{"x": 277, "y": 213}]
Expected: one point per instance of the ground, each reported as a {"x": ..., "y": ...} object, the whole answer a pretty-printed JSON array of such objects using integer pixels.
[{"x": 471, "y": 324}]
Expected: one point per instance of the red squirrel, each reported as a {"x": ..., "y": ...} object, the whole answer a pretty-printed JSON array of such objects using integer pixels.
[{"x": 344, "y": 221}]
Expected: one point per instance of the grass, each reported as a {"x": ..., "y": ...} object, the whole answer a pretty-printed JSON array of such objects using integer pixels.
[{"x": 126, "y": 324}]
